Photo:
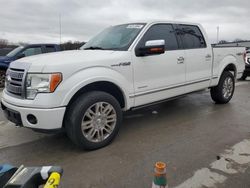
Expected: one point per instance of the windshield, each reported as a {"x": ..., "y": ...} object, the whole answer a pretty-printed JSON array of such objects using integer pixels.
[
  {"x": 118, "y": 37},
  {"x": 15, "y": 51}
]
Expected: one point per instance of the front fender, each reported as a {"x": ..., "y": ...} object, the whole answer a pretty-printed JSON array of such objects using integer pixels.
[{"x": 94, "y": 74}]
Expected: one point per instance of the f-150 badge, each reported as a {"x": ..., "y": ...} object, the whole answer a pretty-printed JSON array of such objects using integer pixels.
[{"x": 121, "y": 64}]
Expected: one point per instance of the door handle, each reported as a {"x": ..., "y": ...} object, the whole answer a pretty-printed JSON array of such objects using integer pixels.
[
  {"x": 180, "y": 60},
  {"x": 208, "y": 56}
]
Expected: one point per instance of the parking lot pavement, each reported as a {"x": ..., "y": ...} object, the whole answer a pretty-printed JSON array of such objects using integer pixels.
[
  {"x": 202, "y": 143},
  {"x": 13, "y": 136}
]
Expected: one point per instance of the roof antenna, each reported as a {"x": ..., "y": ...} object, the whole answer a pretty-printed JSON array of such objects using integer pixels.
[{"x": 218, "y": 31}]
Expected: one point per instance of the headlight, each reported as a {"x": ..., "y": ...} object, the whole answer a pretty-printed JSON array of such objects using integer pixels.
[{"x": 41, "y": 83}]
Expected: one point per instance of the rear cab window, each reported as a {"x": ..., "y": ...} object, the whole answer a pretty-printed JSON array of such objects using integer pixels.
[{"x": 191, "y": 36}]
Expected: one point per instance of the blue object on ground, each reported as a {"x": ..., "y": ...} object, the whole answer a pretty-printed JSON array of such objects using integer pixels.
[{"x": 4, "y": 168}]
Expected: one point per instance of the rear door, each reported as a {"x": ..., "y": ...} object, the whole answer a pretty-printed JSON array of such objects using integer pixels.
[
  {"x": 158, "y": 77},
  {"x": 198, "y": 57}
]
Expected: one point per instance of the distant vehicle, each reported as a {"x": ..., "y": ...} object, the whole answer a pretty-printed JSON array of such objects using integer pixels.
[
  {"x": 246, "y": 72},
  {"x": 124, "y": 67},
  {"x": 24, "y": 51},
  {"x": 4, "y": 51}
]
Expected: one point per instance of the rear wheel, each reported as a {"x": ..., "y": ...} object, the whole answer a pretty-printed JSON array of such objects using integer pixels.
[
  {"x": 2, "y": 78},
  {"x": 224, "y": 91},
  {"x": 93, "y": 120}
]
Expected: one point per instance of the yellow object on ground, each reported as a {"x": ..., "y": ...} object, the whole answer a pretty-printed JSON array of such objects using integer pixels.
[{"x": 53, "y": 181}]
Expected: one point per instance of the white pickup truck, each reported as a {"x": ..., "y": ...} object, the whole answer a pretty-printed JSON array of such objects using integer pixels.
[{"x": 126, "y": 66}]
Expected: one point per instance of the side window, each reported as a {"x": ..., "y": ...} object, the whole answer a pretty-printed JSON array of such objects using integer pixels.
[
  {"x": 32, "y": 51},
  {"x": 192, "y": 37},
  {"x": 161, "y": 31},
  {"x": 50, "y": 49}
]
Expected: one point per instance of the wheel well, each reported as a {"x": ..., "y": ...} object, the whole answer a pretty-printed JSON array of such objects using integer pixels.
[
  {"x": 231, "y": 68},
  {"x": 104, "y": 86}
]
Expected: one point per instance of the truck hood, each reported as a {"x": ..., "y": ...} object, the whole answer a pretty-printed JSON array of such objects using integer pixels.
[
  {"x": 67, "y": 57},
  {"x": 72, "y": 60}
]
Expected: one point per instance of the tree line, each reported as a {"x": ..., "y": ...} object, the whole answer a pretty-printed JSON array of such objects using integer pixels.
[
  {"x": 70, "y": 45},
  {"x": 236, "y": 40}
]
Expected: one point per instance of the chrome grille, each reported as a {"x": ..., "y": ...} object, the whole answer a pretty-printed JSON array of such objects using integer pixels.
[{"x": 14, "y": 81}]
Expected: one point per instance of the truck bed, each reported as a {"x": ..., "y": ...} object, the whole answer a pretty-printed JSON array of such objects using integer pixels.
[{"x": 225, "y": 54}]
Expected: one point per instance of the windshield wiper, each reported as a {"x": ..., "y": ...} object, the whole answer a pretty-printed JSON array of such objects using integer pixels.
[{"x": 94, "y": 48}]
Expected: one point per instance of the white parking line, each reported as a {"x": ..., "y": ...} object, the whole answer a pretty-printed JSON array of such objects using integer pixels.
[{"x": 232, "y": 161}]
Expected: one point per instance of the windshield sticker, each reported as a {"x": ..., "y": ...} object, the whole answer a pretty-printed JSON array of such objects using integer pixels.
[{"x": 135, "y": 26}]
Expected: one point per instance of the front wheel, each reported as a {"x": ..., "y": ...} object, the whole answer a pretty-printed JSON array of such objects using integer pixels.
[
  {"x": 93, "y": 120},
  {"x": 223, "y": 92}
]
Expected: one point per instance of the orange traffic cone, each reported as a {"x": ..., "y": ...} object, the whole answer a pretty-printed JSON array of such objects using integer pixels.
[{"x": 160, "y": 177}]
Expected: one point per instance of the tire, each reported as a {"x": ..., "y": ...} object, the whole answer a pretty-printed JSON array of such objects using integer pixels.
[
  {"x": 244, "y": 76},
  {"x": 2, "y": 78},
  {"x": 101, "y": 113},
  {"x": 223, "y": 92}
]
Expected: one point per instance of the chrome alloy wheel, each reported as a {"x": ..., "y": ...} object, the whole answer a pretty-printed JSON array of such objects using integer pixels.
[
  {"x": 98, "y": 121},
  {"x": 228, "y": 86}
]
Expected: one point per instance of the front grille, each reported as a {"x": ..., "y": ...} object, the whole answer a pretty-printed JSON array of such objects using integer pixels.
[{"x": 14, "y": 81}]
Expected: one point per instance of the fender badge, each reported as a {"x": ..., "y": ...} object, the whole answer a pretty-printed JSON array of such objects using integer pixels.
[{"x": 121, "y": 64}]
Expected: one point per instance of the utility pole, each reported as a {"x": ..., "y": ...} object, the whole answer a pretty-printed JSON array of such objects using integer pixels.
[
  {"x": 60, "y": 28},
  {"x": 218, "y": 31}
]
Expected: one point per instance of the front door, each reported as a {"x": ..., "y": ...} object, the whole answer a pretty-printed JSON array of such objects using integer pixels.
[{"x": 157, "y": 77}]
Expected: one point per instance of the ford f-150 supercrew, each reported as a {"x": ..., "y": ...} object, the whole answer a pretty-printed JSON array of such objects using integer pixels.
[{"x": 126, "y": 66}]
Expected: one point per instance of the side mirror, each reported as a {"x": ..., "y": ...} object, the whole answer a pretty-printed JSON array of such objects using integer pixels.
[
  {"x": 152, "y": 47},
  {"x": 19, "y": 56}
]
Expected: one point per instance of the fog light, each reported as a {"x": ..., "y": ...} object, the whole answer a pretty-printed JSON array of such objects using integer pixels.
[{"x": 31, "y": 119}]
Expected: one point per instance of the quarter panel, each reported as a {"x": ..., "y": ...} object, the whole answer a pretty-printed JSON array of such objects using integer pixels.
[{"x": 220, "y": 63}]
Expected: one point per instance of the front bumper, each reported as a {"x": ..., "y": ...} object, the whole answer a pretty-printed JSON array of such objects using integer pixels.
[{"x": 47, "y": 119}]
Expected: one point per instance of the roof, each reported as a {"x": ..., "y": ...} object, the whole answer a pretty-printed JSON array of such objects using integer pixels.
[
  {"x": 40, "y": 44},
  {"x": 152, "y": 21}
]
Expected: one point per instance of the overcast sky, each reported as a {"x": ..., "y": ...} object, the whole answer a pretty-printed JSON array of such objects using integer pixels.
[{"x": 36, "y": 21}]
